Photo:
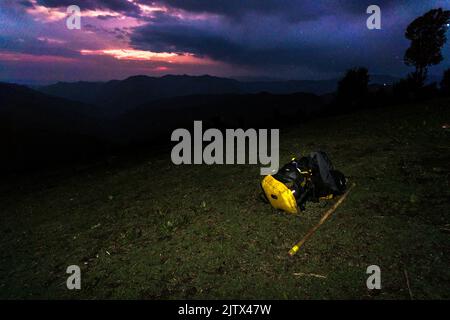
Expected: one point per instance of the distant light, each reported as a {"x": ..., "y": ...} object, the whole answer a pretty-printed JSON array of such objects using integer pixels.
[{"x": 448, "y": 24}]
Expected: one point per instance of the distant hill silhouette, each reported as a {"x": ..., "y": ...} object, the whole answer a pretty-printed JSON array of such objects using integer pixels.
[
  {"x": 37, "y": 128},
  {"x": 69, "y": 121},
  {"x": 262, "y": 110},
  {"x": 118, "y": 96},
  {"x": 22, "y": 107}
]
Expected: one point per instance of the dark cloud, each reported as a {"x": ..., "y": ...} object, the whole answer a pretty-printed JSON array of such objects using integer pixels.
[
  {"x": 106, "y": 17},
  {"x": 319, "y": 35},
  {"x": 180, "y": 37},
  {"x": 118, "y": 33},
  {"x": 114, "y": 5},
  {"x": 25, "y": 3},
  {"x": 229, "y": 43},
  {"x": 291, "y": 10},
  {"x": 34, "y": 46}
]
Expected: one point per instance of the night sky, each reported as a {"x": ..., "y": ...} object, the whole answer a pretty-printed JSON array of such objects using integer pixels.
[{"x": 284, "y": 39}]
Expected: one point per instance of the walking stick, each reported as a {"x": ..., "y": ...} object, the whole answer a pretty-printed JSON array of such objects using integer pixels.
[{"x": 327, "y": 214}]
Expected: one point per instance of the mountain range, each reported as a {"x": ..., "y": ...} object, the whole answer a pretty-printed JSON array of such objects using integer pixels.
[
  {"x": 72, "y": 120},
  {"x": 118, "y": 96},
  {"x": 36, "y": 128}
]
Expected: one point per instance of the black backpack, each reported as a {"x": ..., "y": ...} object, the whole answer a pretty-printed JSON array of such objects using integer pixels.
[{"x": 312, "y": 178}]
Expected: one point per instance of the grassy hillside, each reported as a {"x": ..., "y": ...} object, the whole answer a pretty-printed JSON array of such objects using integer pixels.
[{"x": 149, "y": 229}]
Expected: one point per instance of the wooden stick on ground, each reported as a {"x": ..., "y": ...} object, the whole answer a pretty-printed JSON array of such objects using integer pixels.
[
  {"x": 327, "y": 214},
  {"x": 315, "y": 275},
  {"x": 407, "y": 284}
]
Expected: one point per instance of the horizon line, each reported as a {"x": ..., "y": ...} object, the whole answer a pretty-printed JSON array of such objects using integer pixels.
[{"x": 29, "y": 82}]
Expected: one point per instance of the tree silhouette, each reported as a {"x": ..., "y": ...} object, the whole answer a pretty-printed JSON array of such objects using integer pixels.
[
  {"x": 352, "y": 89},
  {"x": 427, "y": 35},
  {"x": 445, "y": 83}
]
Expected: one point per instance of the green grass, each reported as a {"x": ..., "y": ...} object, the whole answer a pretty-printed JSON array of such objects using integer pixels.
[{"x": 149, "y": 229}]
